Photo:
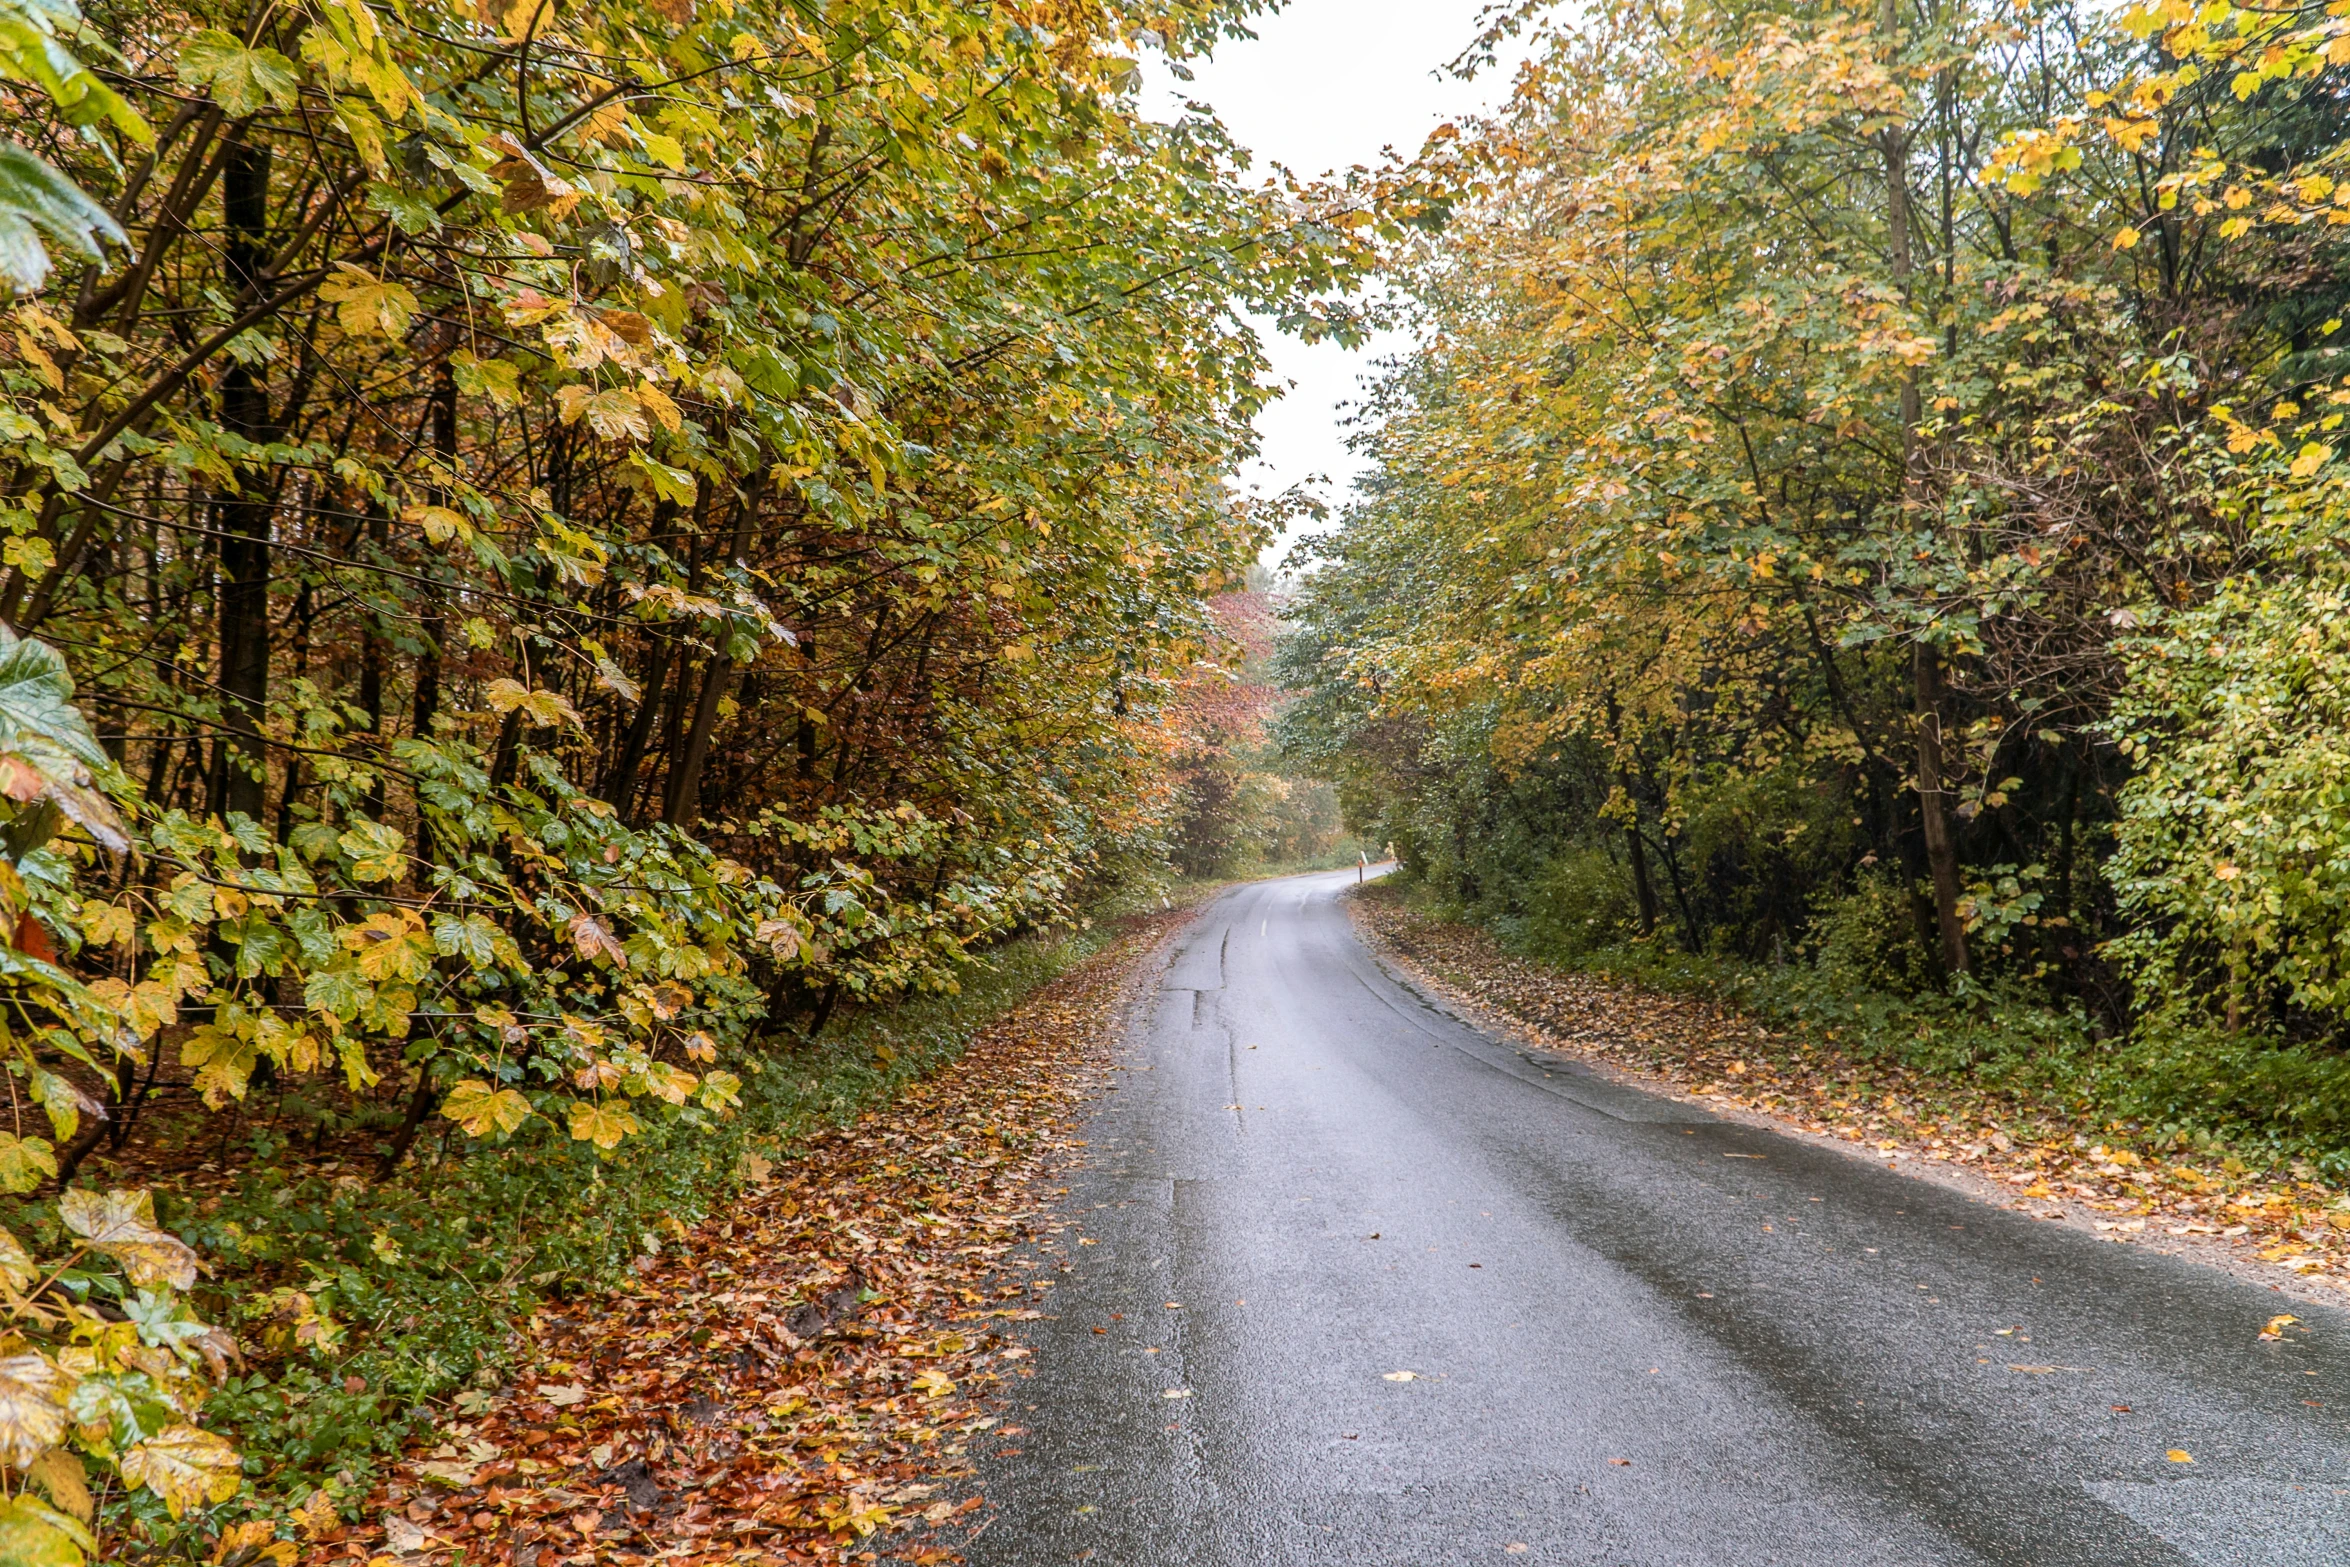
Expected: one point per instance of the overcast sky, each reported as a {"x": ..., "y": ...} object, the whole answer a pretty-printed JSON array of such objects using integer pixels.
[{"x": 1325, "y": 85}]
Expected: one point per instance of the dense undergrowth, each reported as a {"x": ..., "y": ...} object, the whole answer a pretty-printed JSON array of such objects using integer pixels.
[{"x": 2264, "y": 1102}]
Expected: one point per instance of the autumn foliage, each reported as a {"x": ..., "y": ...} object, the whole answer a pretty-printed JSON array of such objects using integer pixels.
[
  {"x": 1867, "y": 505},
  {"x": 549, "y": 549}
]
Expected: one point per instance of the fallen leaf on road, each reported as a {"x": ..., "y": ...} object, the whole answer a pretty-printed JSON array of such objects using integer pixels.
[
  {"x": 1621, "y": 1463},
  {"x": 2179, "y": 1455},
  {"x": 1176, "y": 1392},
  {"x": 2276, "y": 1327},
  {"x": 1403, "y": 1376},
  {"x": 1517, "y": 1548}
]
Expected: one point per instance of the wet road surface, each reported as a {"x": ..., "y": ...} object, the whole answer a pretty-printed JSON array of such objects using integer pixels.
[{"x": 1635, "y": 1334}]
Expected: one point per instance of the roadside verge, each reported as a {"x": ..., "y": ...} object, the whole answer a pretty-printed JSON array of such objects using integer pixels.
[
  {"x": 812, "y": 1370},
  {"x": 2290, "y": 1234}
]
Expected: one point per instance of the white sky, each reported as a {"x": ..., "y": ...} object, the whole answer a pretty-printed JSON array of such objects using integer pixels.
[{"x": 1327, "y": 84}]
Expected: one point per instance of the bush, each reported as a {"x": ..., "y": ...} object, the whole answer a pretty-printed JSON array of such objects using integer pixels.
[
  {"x": 1867, "y": 939},
  {"x": 1579, "y": 903}
]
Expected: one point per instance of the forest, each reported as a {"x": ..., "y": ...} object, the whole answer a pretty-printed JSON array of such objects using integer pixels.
[
  {"x": 551, "y": 550},
  {"x": 1862, "y": 532}
]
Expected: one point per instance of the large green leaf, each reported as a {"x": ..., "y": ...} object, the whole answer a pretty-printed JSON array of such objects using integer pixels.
[
  {"x": 35, "y": 197},
  {"x": 47, "y": 753},
  {"x": 242, "y": 79}
]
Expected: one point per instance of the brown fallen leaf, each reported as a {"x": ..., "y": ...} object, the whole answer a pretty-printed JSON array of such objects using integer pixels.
[{"x": 809, "y": 1366}]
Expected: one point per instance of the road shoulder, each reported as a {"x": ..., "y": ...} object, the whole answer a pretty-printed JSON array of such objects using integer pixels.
[{"x": 2292, "y": 1236}]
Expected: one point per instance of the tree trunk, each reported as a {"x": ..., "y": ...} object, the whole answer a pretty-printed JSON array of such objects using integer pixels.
[
  {"x": 1643, "y": 885},
  {"x": 434, "y": 617},
  {"x": 240, "y": 761},
  {"x": 1933, "y": 804},
  {"x": 684, "y": 805},
  {"x": 420, "y": 1105},
  {"x": 1926, "y": 660}
]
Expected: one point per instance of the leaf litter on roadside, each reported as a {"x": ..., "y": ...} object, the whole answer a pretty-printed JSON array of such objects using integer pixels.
[
  {"x": 2056, "y": 1164},
  {"x": 811, "y": 1374}
]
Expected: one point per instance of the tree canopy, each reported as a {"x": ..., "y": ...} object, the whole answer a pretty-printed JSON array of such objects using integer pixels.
[
  {"x": 544, "y": 542},
  {"x": 1876, "y": 452}
]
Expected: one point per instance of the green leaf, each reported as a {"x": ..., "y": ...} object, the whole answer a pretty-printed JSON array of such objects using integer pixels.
[
  {"x": 411, "y": 214},
  {"x": 185, "y": 1466},
  {"x": 472, "y": 938},
  {"x": 378, "y": 852},
  {"x": 243, "y": 81},
  {"x": 35, "y": 198},
  {"x": 47, "y": 753},
  {"x": 338, "y": 993}
]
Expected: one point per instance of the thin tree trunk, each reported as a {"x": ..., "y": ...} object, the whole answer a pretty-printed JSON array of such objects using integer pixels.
[
  {"x": 1941, "y": 845},
  {"x": 1643, "y": 886},
  {"x": 684, "y": 805},
  {"x": 435, "y": 623},
  {"x": 1926, "y": 660},
  {"x": 240, "y": 762},
  {"x": 420, "y": 1105}
]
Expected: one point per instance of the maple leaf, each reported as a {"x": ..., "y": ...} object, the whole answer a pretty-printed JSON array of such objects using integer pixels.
[
  {"x": 366, "y": 305},
  {"x": 540, "y": 707},
  {"x": 185, "y": 1466},
  {"x": 481, "y": 1109},
  {"x": 122, "y": 1225},
  {"x": 600, "y": 1124},
  {"x": 32, "y": 1408},
  {"x": 594, "y": 940}
]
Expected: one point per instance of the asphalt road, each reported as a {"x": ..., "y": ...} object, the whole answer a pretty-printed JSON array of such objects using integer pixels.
[{"x": 1636, "y": 1334}]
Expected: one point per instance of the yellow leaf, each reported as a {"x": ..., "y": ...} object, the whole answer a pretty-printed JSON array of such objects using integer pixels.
[
  {"x": 390, "y": 946},
  {"x": 60, "y": 1474},
  {"x": 122, "y": 1225},
  {"x": 2127, "y": 239},
  {"x": 34, "y": 1534},
  {"x": 2310, "y": 458},
  {"x": 657, "y": 402},
  {"x": 543, "y": 708},
  {"x": 440, "y": 523},
  {"x": 599, "y": 1124},
  {"x": 480, "y": 1109},
  {"x": 32, "y": 1408},
  {"x": 185, "y": 1467},
  {"x": 2179, "y": 1455},
  {"x": 674, "y": 1084},
  {"x": 25, "y": 1162},
  {"x": 16, "y": 1264},
  {"x": 366, "y": 305}
]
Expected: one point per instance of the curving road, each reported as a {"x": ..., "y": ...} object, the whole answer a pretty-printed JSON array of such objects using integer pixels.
[{"x": 1635, "y": 1334}]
